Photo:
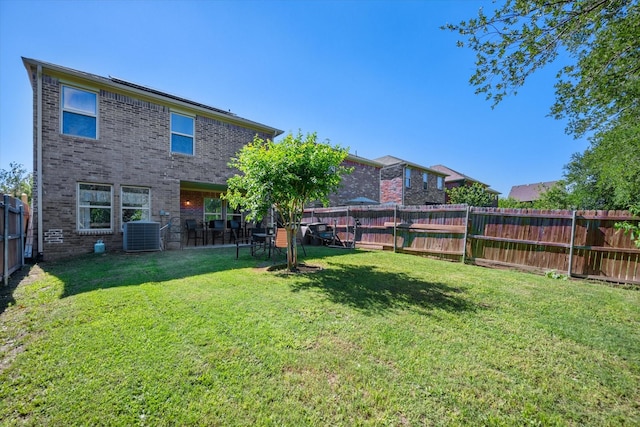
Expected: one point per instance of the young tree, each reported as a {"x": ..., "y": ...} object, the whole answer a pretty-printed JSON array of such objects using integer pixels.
[
  {"x": 16, "y": 180},
  {"x": 286, "y": 176},
  {"x": 473, "y": 195}
]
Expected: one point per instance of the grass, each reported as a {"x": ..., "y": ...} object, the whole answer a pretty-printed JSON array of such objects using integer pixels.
[{"x": 375, "y": 338}]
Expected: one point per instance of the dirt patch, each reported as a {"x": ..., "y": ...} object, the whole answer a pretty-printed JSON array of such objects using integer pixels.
[{"x": 301, "y": 269}]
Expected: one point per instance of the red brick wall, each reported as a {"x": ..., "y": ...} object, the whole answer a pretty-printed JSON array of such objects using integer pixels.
[{"x": 132, "y": 149}]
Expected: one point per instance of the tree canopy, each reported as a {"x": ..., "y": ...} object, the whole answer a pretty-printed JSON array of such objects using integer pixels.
[
  {"x": 472, "y": 195},
  {"x": 597, "y": 88},
  {"x": 286, "y": 176},
  {"x": 16, "y": 180}
]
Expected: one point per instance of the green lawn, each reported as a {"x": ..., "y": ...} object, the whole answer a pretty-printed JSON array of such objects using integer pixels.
[{"x": 196, "y": 337}]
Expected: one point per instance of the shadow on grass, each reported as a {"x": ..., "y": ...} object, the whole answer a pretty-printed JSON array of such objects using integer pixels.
[
  {"x": 29, "y": 273},
  {"x": 89, "y": 272},
  {"x": 368, "y": 288},
  {"x": 373, "y": 290}
]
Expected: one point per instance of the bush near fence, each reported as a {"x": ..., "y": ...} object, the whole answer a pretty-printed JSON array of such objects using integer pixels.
[{"x": 582, "y": 244}]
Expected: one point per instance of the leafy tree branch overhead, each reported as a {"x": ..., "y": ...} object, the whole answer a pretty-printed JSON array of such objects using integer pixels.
[
  {"x": 601, "y": 38},
  {"x": 597, "y": 88}
]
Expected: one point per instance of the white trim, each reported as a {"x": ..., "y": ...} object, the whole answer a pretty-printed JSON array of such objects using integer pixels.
[
  {"x": 79, "y": 112},
  {"x": 122, "y": 208},
  {"x": 172, "y": 132},
  {"x": 111, "y": 208}
]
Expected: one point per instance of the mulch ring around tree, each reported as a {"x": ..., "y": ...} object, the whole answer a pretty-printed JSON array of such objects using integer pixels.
[{"x": 301, "y": 269}]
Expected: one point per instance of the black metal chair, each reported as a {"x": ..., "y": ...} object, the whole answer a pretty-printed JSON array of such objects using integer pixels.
[
  {"x": 193, "y": 229},
  {"x": 236, "y": 231},
  {"x": 216, "y": 226},
  {"x": 258, "y": 243}
]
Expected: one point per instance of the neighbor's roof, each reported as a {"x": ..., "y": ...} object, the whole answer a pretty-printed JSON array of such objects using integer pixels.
[
  {"x": 357, "y": 159},
  {"x": 454, "y": 176},
  {"x": 391, "y": 161},
  {"x": 530, "y": 192},
  {"x": 147, "y": 92}
]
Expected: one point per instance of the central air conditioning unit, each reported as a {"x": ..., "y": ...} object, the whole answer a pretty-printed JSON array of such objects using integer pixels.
[{"x": 141, "y": 236}]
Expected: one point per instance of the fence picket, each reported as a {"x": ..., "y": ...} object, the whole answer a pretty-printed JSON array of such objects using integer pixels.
[{"x": 581, "y": 243}]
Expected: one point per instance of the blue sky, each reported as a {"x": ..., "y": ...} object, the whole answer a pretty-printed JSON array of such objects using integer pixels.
[{"x": 379, "y": 77}]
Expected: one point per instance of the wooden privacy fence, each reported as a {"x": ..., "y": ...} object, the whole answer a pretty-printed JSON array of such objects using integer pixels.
[
  {"x": 12, "y": 233},
  {"x": 582, "y": 244}
]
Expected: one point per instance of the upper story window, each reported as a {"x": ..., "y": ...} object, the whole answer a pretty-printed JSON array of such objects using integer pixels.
[
  {"x": 94, "y": 207},
  {"x": 407, "y": 177},
  {"x": 440, "y": 183},
  {"x": 425, "y": 181},
  {"x": 182, "y": 131},
  {"x": 79, "y": 112},
  {"x": 136, "y": 204}
]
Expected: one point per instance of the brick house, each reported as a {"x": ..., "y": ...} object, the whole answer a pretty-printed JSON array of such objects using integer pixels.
[
  {"x": 407, "y": 183},
  {"x": 456, "y": 179},
  {"x": 107, "y": 151},
  {"x": 364, "y": 181}
]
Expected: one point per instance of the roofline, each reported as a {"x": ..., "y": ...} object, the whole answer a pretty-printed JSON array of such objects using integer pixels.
[
  {"x": 413, "y": 165},
  {"x": 357, "y": 159},
  {"x": 463, "y": 177},
  {"x": 152, "y": 94}
]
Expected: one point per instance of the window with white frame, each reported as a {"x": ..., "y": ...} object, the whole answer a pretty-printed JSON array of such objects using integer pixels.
[
  {"x": 95, "y": 203},
  {"x": 425, "y": 181},
  {"x": 135, "y": 204},
  {"x": 407, "y": 177},
  {"x": 79, "y": 112},
  {"x": 212, "y": 208},
  {"x": 440, "y": 183},
  {"x": 182, "y": 131}
]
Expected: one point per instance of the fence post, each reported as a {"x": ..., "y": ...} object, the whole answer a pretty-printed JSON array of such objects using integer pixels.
[
  {"x": 466, "y": 232},
  {"x": 395, "y": 223},
  {"x": 571, "y": 243},
  {"x": 5, "y": 241},
  {"x": 21, "y": 225}
]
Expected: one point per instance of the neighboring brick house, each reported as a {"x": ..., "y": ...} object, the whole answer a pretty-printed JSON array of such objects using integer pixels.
[
  {"x": 107, "y": 151},
  {"x": 529, "y": 193},
  {"x": 408, "y": 183},
  {"x": 457, "y": 179},
  {"x": 364, "y": 181}
]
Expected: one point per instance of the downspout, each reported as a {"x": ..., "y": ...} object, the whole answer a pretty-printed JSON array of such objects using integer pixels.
[
  {"x": 39, "y": 157},
  {"x": 403, "y": 184}
]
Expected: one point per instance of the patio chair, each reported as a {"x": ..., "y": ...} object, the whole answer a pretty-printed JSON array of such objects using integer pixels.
[
  {"x": 258, "y": 243},
  {"x": 235, "y": 228},
  {"x": 280, "y": 242},
  {"x": 194, "y": 229},
  {"x": 216, "y": 226}
]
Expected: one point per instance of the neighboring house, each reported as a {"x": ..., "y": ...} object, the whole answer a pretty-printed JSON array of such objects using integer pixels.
[
  {"x": 456, "y": 179},
  {"x": 407, "y": 183},
  {"x": 364, "y": 181},
  {"x": 530, "y": 192},
  {"x": 107, "y": 151}
]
